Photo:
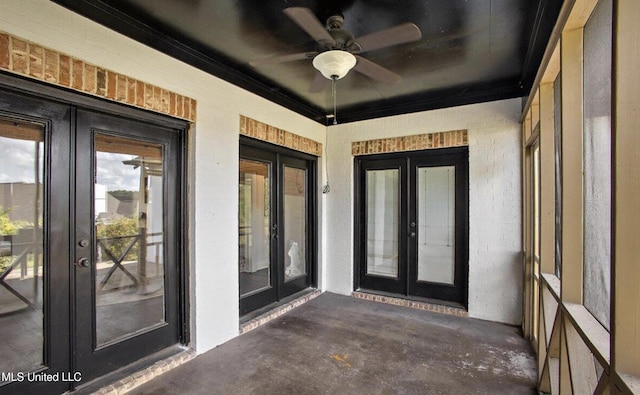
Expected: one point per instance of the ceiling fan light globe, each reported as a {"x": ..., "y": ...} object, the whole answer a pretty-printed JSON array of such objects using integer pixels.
[{"x": 334, "y": 64}]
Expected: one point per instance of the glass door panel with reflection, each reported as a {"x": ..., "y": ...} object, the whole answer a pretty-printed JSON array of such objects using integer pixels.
[
  {"x": 382, "y": 223},
  {"x": 295, "y": 218},
  {"x": 275, "y": 230},
  {"x": 22, "y": 177},
  {"x": 254, "y": 222},
  {"x": 126, "y": 240},
  {"x": 436, "y": 224},
  {"x": 382, "y": 190},
  {"x": 128, "y": 210}
]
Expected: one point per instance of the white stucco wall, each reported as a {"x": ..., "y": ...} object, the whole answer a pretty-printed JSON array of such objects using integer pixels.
[
  {"x": 214, "y": 272},
  {"x": 495, "y": 266}
]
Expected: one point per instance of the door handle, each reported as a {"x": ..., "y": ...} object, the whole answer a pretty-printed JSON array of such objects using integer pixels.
[
  {"x": 412, "y": 234},
  {"x": 83, "y": 262}
]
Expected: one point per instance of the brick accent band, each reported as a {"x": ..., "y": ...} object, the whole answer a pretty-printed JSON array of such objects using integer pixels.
[
  {"x": 138, "y": 378},
  {"x": 453, "y": 138},
  {"x": 436, "y": 308},
  {"x": 43, "y": 64},
  {"x": 277, "y": 312},
  {"x": 261, "y": 131}
]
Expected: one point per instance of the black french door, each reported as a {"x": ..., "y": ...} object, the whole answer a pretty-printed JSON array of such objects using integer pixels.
[
  {"x": 412, "y": 224},
  {"x": 90, "y": 257},
  {"x": 126, "y": 241},
  {"x": 276, "y": 224}
]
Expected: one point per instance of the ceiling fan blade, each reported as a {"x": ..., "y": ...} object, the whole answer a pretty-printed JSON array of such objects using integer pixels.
[
  {"x": 282, "y": 59},
  {"x": 400, "y": 34},
  {"x": 318, "y": 83},
  {"x": 375, "y": 71},
  {"x": 305, "y": 18}
]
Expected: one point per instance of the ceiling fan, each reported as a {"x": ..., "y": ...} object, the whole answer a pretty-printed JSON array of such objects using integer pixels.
[{"x": 338, "y": 51}]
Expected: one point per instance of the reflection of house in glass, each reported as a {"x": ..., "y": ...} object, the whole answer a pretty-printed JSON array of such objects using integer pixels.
[
  {"x": 20, "y": 204},
  {"x": 19, "y": 199},
  {"x": 128, "y": 208},
  {"x": 111, "y": 205}
]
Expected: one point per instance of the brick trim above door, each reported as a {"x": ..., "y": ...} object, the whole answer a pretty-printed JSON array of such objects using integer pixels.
[
  {"x": 453, "y": 138},
  {"x": 34, "y": 61},
  {"x": 261, "y": 131}
]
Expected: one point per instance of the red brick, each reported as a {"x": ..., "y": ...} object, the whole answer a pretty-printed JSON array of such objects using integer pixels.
[
  {"x": 148, "y": 97},
  {"x": 131, "y": 90},
  {"x": 5, "y": 56},
  {"x": 51, "y": 63},
  {"x": 193, "y": 110},
  {"x": 166, "y": 101},
  {"x": 20, "y": 56},
  {"x": 36, "y": 61},
  {"x": 111, "y": 85},
  {"x": 121, "y": 88},
  {"x": 77, "y": 75},
  {"x": 157, "y": 99},
  {"x": 101, "y": 82},
  {"x": 139, "y": 93},
  {"x": 64, "y": 75},
  {"x": 185, "y": 107},
  {"x": 172, "y": 103},
  {"x": 90, "y": 77},
  {"x": 179, "y": 106}
]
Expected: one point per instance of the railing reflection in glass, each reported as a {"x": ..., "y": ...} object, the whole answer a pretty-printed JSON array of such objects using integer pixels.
[
  {"x": 21, "y": 246},
  {"x": 129, "y": 234}
]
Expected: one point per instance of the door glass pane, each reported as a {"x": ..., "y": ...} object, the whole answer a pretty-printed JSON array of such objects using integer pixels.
[
  {"x": 129, "y": 228},
  {"x": 436, "y": 224},
  {"x": 21, "y": 248},
  {"x": 382, "y": 222},
  {"x": 254, "y": 219},
  {"x": 295, "y": 222}
]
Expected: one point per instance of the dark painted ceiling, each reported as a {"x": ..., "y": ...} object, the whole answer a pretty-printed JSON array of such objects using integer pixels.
[{"x": 470, "y": 51}]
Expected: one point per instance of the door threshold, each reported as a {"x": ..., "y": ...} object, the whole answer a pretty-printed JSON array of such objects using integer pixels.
[
  {"x": 433, "y": 305},
  {"x": 254, "y": 319},
  {"x": 134, "y": 375}
]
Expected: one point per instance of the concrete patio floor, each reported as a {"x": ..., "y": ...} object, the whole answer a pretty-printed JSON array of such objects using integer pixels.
[{"x": 338, "y": 344}]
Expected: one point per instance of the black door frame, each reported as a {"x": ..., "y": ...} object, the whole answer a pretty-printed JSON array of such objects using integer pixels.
[
  {"x": 134, "y": 346},
  {"x": 392, "y": 285},
  {"x": 279, "y": 157},
  {"x": 408, "y": 162},
  {"x": 45, "y": 98}
]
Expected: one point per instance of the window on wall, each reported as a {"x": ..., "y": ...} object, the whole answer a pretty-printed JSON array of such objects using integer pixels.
[
  {"x": 597, "y": 162},
  {"x": 557, "y": 139}
]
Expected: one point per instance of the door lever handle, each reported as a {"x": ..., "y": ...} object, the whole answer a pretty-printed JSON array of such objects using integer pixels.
[
  {"x": 83, "y": 262},
  {"x": 412, "y": 234}
]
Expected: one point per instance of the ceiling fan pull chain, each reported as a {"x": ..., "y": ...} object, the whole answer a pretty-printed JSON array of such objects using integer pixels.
[{"x": 333, "y": 93}]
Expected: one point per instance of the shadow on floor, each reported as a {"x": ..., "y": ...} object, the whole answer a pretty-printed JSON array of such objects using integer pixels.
[{"x": 337, "y": 344}]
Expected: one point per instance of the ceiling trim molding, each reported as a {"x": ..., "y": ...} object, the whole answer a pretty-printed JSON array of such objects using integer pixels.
[{"x": 500, "y": 90}]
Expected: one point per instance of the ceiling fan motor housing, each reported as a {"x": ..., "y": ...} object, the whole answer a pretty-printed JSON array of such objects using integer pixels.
[{"x": 343, "y": 39}]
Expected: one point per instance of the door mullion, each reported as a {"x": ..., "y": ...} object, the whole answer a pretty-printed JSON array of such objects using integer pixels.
[{"x": 278, "y": 257}]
